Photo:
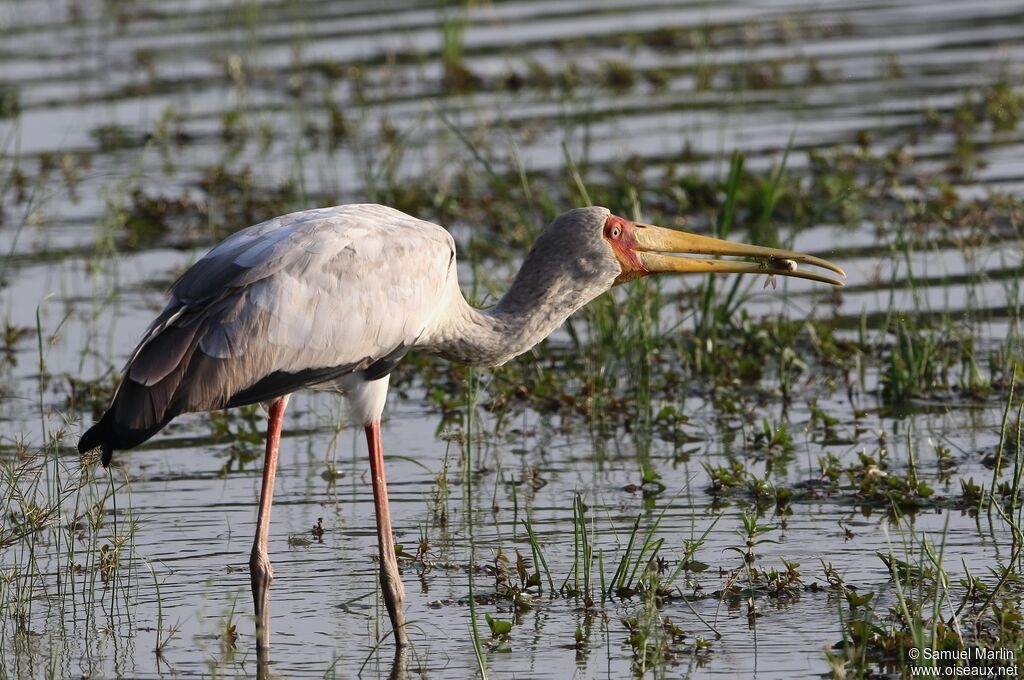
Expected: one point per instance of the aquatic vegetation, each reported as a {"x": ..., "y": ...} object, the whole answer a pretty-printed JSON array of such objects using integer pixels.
[{"x": 9, "y": 103}]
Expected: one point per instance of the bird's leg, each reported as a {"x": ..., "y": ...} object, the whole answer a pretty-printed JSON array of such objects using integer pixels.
[
  {"x": 390, "y": 580},
  {"x": 400, "y": 665},
  {"x": 261, "y": 572}
]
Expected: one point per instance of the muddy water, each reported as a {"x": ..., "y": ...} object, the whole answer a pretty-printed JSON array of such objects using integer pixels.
[{"x": 80, "y": 67}]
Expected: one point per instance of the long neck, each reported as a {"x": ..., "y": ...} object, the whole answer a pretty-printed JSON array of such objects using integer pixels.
[{"x": 531, "y": 309}]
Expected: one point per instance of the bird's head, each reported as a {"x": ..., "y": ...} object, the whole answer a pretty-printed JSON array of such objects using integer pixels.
[
  {"x": 644, "y": 249},
  {"x": 622, "y": 250}
]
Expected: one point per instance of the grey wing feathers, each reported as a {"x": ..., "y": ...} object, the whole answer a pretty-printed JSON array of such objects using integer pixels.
[{"x": 299, "y": 300}]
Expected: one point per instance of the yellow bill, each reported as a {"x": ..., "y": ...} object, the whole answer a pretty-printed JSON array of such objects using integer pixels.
[{"x": 658, "y": 250}]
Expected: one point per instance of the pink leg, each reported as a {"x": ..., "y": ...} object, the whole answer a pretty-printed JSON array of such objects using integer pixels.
[
  {"x": 261, "y": 572},
  {"x": 390, "y": 579}
]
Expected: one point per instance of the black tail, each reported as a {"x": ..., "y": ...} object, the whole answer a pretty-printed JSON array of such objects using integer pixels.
[
  {"x": 168, "y": 375},
  {"x": 106, "y": 434},
  {"x": 99, "y": 435},
  {"x": 151, "y": 392}
]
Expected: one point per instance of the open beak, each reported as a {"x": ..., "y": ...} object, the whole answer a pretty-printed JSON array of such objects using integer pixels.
[{"x": 652, "y": 244}]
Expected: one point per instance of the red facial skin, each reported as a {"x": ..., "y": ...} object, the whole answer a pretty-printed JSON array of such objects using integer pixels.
[{"x": 620, "y": 233}]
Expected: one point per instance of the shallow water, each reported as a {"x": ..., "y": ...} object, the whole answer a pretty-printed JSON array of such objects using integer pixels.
[{"x": 78, "y": 66}]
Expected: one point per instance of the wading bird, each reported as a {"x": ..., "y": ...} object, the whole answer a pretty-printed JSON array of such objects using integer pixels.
[{"x": 332, "y": 299}]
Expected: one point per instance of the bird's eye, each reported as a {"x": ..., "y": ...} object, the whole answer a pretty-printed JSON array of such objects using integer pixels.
[{"x": 615, "y": 232}]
